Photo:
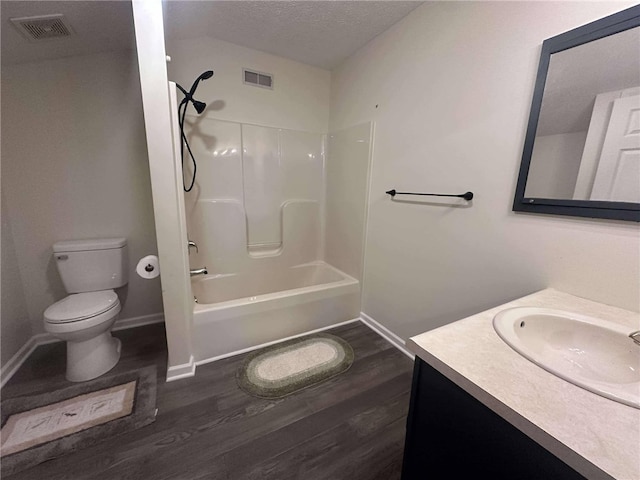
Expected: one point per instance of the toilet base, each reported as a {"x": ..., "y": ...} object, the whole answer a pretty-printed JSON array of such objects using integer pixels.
[{"x": 91, "y": 358}]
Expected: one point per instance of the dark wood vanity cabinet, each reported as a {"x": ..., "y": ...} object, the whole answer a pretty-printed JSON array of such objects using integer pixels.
[{"x": 451, "y": 435}]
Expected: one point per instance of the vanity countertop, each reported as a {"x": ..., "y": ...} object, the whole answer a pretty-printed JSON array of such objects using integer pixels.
[{"x": 597, "y": 437}]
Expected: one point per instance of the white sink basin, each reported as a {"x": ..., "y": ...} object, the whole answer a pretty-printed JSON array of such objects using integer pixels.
[{"x": 594, "y": 354}]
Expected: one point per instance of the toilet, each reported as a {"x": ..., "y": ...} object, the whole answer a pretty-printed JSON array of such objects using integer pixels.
[{"x": 90, "y": 270}]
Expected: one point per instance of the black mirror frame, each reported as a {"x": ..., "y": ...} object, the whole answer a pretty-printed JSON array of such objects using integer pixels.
[{"x": 618, "y": 22}]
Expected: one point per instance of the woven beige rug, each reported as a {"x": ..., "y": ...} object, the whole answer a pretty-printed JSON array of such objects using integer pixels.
[
  {"x": 37, "y": 428},
  {"x": 288, "y": 367},
  {"x": 41, "y": 425}
]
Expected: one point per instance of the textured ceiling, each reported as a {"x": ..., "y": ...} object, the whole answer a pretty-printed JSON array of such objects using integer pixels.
[
  {"x": 320, "y": 33},
  {"x": 578, "y": 74},
  {"x": 99, "y": 27},
  {"x": 317, "y": 33}
]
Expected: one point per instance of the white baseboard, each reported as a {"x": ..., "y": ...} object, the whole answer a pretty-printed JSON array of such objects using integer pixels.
[
  {"x": 387, "y": 334},
  {"x": 15, "y": 362},
  {"x": 184, "y": 370},
  {"x": 262, "y": 345}
]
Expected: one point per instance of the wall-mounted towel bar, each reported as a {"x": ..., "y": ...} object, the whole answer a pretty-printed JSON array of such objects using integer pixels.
[{"x": 467, "y": 196}]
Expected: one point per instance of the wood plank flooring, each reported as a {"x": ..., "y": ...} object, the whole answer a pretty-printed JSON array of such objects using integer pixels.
[{"x": 350, "y": 427}]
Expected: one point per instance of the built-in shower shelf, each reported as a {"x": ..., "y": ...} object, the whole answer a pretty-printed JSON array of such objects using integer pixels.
[{"x": 264, "y": 250}]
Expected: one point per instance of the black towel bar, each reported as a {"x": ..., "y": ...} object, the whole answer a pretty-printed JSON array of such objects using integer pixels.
[{"x": 467, "y": 196}]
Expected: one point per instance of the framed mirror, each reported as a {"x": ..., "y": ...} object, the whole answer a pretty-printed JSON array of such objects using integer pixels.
[{"x": 582, "y": 148}]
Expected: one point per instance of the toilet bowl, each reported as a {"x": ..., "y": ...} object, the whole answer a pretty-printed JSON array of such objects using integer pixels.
[
  {"x": 90, "y": 270},
  {"x": 84, "y": 321}
]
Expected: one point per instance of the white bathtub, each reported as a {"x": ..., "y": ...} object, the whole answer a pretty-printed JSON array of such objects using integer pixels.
[{"x": 237, "y": 312}]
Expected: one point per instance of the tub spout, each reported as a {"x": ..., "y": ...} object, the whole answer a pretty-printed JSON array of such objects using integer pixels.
[{"x": 198, "y": 271}]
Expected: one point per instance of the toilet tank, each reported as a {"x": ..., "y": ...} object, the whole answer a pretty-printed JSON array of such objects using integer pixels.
[{"x": 92, "y": 265}]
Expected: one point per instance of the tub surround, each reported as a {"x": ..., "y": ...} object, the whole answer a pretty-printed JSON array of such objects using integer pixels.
[
  {"x": 597, "y": 437},
  {"x": 257, "y": 201},
  {"x": 257, "y": 214}
]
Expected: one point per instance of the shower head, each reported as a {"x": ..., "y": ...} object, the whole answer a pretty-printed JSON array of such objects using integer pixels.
[
  {"x": 199, "y": 106},
  {"x": 188, "y": 96},
  {"x": 204, "y": 76}
]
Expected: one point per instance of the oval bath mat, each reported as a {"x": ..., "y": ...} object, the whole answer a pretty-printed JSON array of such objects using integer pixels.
[{"x": 285, "y": 368}]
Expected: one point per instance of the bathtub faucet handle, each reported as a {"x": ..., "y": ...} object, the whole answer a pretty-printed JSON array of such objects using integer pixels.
[
  {"x": 193, "y": 244},
  {"x": 199, "y": 271}
]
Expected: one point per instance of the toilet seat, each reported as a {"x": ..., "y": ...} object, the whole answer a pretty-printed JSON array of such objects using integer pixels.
[{"x": 81, "y": 306}]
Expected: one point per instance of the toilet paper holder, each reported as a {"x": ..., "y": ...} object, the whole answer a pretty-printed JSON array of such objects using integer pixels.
[{"x": 148, "y": 267}]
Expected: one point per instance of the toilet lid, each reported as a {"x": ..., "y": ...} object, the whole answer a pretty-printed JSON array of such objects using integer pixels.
[{"x": 80, "y": 306}]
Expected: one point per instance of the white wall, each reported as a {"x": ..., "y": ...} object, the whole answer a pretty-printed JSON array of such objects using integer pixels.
[
  {"x": 298, "y": 101},
  {"x": 449, "y": 88},
  {"x": 15, "y": 326},
  {"x": 75, "y": 166}
]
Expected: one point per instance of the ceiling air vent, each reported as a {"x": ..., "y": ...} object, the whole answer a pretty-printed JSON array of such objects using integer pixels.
[
  {"x": 257, "y": 79},
  {"x": 42, "y": 27}
]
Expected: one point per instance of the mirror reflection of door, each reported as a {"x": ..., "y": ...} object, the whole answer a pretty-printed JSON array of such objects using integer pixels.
[
  {"x": 618, "y": 175},
  {"x": 587, "y": 144},
  {"x": 601, "y": 127}
]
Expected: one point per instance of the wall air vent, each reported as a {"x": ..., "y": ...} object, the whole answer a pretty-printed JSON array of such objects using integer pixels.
[
  {"x": 257, "y": 79},
  {"x": 42, "y": 27}
]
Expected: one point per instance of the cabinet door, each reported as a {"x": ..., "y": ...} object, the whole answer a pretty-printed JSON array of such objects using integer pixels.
[{"x": 451, "y": 435}]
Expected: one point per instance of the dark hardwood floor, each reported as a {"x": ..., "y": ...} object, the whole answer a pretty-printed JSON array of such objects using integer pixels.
[{"x": 350, "y": 427}]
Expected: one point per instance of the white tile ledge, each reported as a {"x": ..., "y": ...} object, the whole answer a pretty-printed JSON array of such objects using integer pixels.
[{"x": 598, "y": 437}]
